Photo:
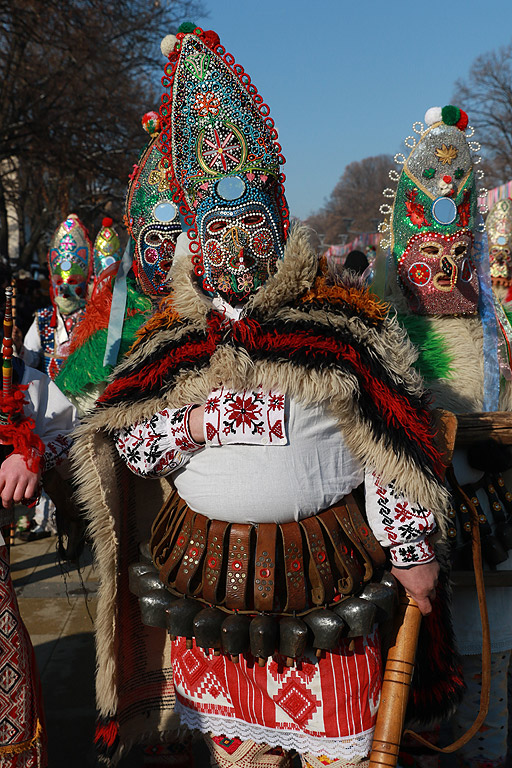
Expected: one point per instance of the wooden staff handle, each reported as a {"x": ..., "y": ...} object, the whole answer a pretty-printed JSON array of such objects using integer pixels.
[
  {"x": 395, "y": 686},
  {"x": 7, "y": 345}
]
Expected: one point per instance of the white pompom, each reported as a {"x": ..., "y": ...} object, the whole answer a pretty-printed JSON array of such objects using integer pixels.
[
  {"x": 168, "y": 44},
  {"x": 433, "y": 115}
]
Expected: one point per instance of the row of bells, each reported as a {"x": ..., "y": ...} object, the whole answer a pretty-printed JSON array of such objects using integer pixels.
[{"x": 261, "y": 634}]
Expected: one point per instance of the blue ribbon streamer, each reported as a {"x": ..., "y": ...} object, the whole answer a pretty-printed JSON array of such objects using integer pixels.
[
  {"x": 489, "y": 323},
  {"x": 118, "y": 308}
]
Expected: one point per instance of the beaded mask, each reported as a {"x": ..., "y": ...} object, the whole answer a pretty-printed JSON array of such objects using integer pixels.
[
  {"x": 433, "y": 217},
  {"x": 70, "y": 264},
  {"x": 221, "y": 149},
  {"x": 152, "y": 216},
  {"x": 107, "y": 250},
  {"x": 499, "y": 231}
]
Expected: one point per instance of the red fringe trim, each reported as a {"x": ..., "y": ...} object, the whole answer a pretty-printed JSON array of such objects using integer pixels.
[
  {"x": 95, "y": 318},
  {"x": 106, "y": 737},
  {"x": 19, "y": 431}
]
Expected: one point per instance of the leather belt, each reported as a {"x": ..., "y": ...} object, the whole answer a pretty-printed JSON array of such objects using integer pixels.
[{"x": 279, "y": 569}]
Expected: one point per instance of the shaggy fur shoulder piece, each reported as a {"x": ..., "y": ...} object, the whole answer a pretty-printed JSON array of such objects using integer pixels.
[{"x": 320, "y": 344}]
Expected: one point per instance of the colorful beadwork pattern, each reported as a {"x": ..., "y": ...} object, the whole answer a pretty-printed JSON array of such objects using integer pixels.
[
  {"x": 70, "y": 264},
  {"x": 107, "y": 248},
  {"x": 499, "y": 232},
  {"x": 221, "y": 150},
  {"x": 152, "y": 215},
  {"x": 433, "y": 217},
  {"x": 54, "y": 354}
]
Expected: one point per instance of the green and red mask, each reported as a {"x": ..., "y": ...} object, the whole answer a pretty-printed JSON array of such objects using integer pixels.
[
  {"x": 432, "y": 219},
  {"x": 152, "y": 216}
]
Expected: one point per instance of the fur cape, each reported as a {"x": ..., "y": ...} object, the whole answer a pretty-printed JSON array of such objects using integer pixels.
[
  {"x": 318, "y": 343},
  {"x": 311, "y": 340}
]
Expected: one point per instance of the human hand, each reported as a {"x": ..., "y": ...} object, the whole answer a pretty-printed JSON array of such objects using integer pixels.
[
  {"x": 17, "y": 482},
  {"x": 196, "y": 423},
  {"x": 420, "y": 583},
  {"x": 17, "y": 338}
]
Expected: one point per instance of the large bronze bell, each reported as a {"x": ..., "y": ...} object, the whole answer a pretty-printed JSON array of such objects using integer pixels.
[
  {"x": 263, "y": 635},
  {"x": 136, "y": 570},
  {"x": 293, "y": 636},
  {"x": 326, "y": 627},
  {"x": 383, "y": 597},
  {"x": 153, "y": 607},
  {"x": 235, "y": 635},
  {"x": 180, "y": 618},
  {"x": 358, "y": 614},
  {"x": 207, "y": 629}
]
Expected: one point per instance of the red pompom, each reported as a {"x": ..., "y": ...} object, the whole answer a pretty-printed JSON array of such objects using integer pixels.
[
  {"x": 462, "y": 123},
  {"x": 107, "y": 222},
  {"x": 210, "y": 38}
]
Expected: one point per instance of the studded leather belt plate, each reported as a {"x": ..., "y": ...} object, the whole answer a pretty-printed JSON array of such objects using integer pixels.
[{"x": 279, "y": 569}]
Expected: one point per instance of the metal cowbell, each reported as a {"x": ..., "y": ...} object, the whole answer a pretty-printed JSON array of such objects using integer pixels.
[
  {"x": 293, "y": 636},
  {"x": 326, "y": 627},
  {"x": 207, "y": 628},
  {"x": 383, "y": 597},
  {"x": 180, "y": 618},
  {"x": 145, "y": 552},
  {"x": 235, "y": 635},
  {"x": 358, "y": 614},
  {"x": 153, "y": 607},
  {"x": 135, "y": 571},
  {"x": 149, "y": 581},
  {"x": 263, "y": 634}
]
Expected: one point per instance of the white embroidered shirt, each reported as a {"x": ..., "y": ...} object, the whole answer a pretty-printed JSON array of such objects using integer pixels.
[{"x": 302, "y": 466}]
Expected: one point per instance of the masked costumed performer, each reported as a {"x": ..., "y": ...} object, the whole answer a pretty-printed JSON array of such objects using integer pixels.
[
  {"x": 439, "y": 281},
  {"x": 47, "y": 341},
  {"x": 153, "y": 225},
  {"x": 34, "y": 430},
  {"x": 267, "y": 395}
]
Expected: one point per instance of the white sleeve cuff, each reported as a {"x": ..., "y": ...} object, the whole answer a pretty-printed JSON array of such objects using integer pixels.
[
  {"x": 250, "y": 417},
  {"x": 412, "y": 553}
]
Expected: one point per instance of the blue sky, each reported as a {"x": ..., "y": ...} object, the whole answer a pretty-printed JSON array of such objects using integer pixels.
[{"x": 345, "y": 80}]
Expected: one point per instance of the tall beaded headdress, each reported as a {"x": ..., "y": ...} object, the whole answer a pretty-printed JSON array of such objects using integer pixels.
[
  {"x": 433, "y": 216},
  {"x": 221, "y": 151},
  {"x": 70, "y": 260},
  {"x": 151, "y": 214},
  {"x": 107, "y": 250}
]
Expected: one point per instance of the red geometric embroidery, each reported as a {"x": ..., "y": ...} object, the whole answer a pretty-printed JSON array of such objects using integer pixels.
[{"x": 297, "y": 701}]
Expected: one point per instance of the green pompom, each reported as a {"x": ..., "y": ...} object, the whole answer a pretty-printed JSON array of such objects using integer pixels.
[
  {"x": 450, "y": 115},
  {"x": 187, "y": 27}
]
